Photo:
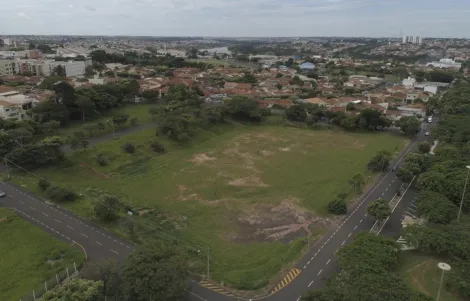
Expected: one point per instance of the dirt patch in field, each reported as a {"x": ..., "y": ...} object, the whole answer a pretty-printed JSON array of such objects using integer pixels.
[
  {"x": 284, "y": 222},
  {"x": 201, "y": 158},
  {"x": 93, "y": 171},
  {"x": 251, "y": 181},
  {"x": 417, "y": 277},
  {"x": 285, "y": 149},
  {"x": 266, "y": 153}
]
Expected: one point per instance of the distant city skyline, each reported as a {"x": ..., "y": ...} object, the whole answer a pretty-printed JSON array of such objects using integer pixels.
[{"x": 238, "y": 18}]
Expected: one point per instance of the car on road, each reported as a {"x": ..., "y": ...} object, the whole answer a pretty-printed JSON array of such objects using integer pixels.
[
  {"x": 394, "y": 168},
  {"x": 2, "y": 194},
  {"x": 427, "y": 133}
]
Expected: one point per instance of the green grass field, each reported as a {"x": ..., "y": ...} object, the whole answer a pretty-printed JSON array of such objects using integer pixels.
[
  {"x": 422, "y": 273},
  {"x": 29, "y": 256},
  {"x": 249, "y": 193}
]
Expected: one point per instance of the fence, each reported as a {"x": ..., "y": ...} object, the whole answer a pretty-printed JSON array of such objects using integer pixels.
[{"x": 60, "y": 278}]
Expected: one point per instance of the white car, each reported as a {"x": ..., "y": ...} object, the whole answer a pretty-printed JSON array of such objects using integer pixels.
[
  {"x": 2, "y": 194},
  {"x": 427, "y": 133}
]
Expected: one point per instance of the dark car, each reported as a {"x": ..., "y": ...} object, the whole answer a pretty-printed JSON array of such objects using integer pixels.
[{"x": 394, "y": 168}]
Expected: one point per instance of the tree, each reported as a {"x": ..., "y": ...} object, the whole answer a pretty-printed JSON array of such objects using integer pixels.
[
  {"x": 21, "y": 135},
  {"x": 296, "y": 113},
  {"x": 404, "y": 174},
  {"x": 7, "y": 143},
  {"x": 107, "y": 208},
  {"x": 357, "y": 181},
  {"x": 157, "y": 147},
  {"x": 410, "y": 125},
  {"x": 243, "y": 108},
  {"x": 337, "y": 206},
  {"x": 178, "y": 128},
  {"x": 380, "y": 161},
  {"x": 59, "y": 70},
  {"x": 156, "y": 271},
  {"x": 379, "y": 209},
  {"x": 86, "y": 105},
  {"x": 435, "y": 207},
  {"x": 76, "y": 289},
  {"x": 128, "y": 148},
  {"x": 424, "y": 147},
  {"x": 106, "y": 272}
]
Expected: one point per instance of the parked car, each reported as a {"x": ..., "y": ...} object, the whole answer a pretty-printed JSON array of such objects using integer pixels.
[{"x": 2, "y": 194}]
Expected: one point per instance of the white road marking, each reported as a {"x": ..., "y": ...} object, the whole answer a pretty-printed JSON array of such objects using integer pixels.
[
  {"x": 45, "y": 214},
  {"x": 309, "y": 262},
  {"x": 355, "y": 227},
  {"x": 84, "y": 235},
  {"x": 58, "y": 221},
  {"x": 309, "y": 285},
  {"x": 360, "y": 221},
  {"x": 69, "y": 227},
  {"x": 114, "y": 251},
  {"x": 32, "y": 208},
  {"x": 99, "y": 243},
  {"x": 320, "y": 272},
  {"x": 328, "y": 261},
  {"x": 343, "y": 242},
  {"x": 21, "y": 202},
  {"x": 305, "y": 266},
  {"x": 311, "y": 258},
  {"x": 298, "y": 299},
  {"x": 349, "y": 235}
]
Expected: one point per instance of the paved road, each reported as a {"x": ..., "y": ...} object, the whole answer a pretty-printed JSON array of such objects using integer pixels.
[
  {"x": 99, "y": 244},
  {"x": 316, "y": 266},
  {"x": 121, "y": 132}
]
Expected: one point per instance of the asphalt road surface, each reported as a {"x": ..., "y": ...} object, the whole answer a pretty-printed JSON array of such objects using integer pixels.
[{"x": 317, "y": 265}]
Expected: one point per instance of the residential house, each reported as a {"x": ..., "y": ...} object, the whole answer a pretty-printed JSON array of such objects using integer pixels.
[{"x": 14, "y": 104}]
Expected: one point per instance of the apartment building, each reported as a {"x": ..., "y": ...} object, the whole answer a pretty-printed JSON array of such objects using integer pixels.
[
  {"x": 42, "y": 67},
  {"x": 7, "y": 67}
]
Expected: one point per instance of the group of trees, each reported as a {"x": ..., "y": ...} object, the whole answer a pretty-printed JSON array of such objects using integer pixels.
[
  {"x": 339, "y": 205},
  {"x": 156, "y": 271},
  {"x": 442, "y": 184},
  {"x": 370, "y": 272}
]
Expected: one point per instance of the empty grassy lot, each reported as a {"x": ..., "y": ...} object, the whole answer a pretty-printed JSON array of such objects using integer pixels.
[
  {"x": 248, "y": 193},
  {"x": 422, "y": 273},
  {"x": 29, "y": 256}
]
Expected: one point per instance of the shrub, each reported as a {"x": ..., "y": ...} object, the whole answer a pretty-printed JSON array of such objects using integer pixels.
[
  {"x": 107, "y": 208},
  {"x": 128, "y": 148},
  {"x": 43, "y": 184},
  {"x": 102, "y": 159},
  {"x": 337, "y": 206},
  {"x": 60, "y": 194},
  {"x": 157, "y": 147}
]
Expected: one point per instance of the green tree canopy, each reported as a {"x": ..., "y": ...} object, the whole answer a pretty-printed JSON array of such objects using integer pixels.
[
  {"x": 156, "y": 271},
  {"x": 380, "y": 209}
]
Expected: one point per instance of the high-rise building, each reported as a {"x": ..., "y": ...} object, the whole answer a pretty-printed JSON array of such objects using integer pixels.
[{"x": 412, "y": 39}]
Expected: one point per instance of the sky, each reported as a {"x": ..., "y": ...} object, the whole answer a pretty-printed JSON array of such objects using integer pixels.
[{"x": 238, "y": 18}]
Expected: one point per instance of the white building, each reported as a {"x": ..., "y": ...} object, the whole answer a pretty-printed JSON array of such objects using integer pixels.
[
  {"x": 42, "y": 67},
  {"x": 412, "y": 39},
  {"x": 13, "y": 104},
  {"x": 445, "y": 63},
  {"x": 409, "y": 82}
]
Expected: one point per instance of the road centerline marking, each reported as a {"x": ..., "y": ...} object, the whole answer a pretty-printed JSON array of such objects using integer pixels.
[
  {"x": 99, "y": 243},
  {"x": 310, "y": 284}
]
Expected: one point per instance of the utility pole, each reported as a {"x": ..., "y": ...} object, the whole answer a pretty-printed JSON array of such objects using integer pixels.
[
  {"x": 208, "y": 264},
  {"x": 463, "y": 194},
  {"x": 8, "y": 169}
]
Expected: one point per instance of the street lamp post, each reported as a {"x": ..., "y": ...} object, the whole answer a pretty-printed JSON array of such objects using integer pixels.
[
  {"x": 112, "y": 126},
  {"x": 208, "y": 262},
  {"x": 444, "y": 267},
  {"x": 463, "y": 193}
]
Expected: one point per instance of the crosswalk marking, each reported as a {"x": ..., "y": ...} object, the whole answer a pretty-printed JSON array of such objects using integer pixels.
[
  {"x": 286, "y": 280},
  {"x": 216, "y": 288}
]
